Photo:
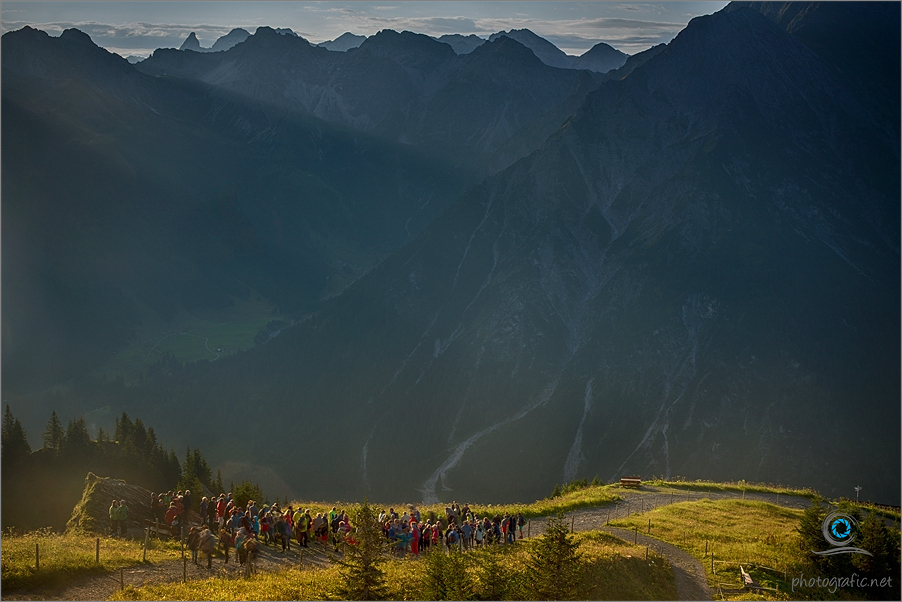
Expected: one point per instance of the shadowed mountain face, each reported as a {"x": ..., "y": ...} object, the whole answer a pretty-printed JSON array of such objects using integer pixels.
[
  {"x": 484, "y": 109},
  {"x": 125, "y": 193},
  {"x": 697, "y": 275},
  {"x": 274, "y": 169}
]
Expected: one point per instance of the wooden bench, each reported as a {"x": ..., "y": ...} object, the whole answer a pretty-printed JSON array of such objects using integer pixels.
[
  {"x": 630, "y": 481},
  {"x": 747, "y": 580}
]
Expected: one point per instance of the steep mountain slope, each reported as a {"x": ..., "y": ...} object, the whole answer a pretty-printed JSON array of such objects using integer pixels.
[
  {"x": 125, "y": 194},
  {"x": 698, "y": 275},
  {"x": 404, "y": 87}
]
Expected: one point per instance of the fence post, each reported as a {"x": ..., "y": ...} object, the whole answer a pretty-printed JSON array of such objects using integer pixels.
[
  {"x": 671, "y": 497},
  {"x": 649, "y": 526},
  {"x": 121, "y": 578},
  {"x": 184, "y": 560},
  {"x": 97, "y": 551},
  {"x": 146, "y": 535},
  {"x": 571, "y": 522},
  {"x": 37, "y": 557},
  {"x": 646, "y": 553},
  {"x": 609, "y": 517},
  {"x": 527, "y": 528}
]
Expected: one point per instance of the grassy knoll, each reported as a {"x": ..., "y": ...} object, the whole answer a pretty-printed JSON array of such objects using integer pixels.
[
  {"x": 70, "y": 555},
  {"x": 737, "y": 486},
  {"x": 574, "y": 500},
  {"x": 761, "y": 537},
  {"x": 613, "y": 570}
]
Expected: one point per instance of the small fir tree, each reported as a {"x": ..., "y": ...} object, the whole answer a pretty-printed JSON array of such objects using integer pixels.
[
  {"x": 491, "y": 581},
  {"x": 361, "y": 569},
  {"x": 444, "y": 575},
  {"x": 554, "y": 564}
]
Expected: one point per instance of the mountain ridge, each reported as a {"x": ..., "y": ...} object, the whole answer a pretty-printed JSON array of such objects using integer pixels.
[{"x": 695, "y": 272}]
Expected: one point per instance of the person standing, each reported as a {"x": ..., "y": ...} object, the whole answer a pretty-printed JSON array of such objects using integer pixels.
[
  {"x": 114, "y": 517},
  {"x": 123, "y": 517}
]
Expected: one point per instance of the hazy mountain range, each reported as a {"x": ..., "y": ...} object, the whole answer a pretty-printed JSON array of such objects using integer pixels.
[
  {"x": 601, "y": 58},
  {"x": 505, "y": 273}
]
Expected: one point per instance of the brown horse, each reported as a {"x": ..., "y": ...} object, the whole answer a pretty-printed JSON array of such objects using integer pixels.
[
  {"x": 250, "y": 552},
  {"x": 207, "y": 544},
  {"x": 226, "y": 542}
]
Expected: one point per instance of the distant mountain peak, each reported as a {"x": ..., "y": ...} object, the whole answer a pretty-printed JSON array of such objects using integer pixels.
[
  {"x": 77, "y": 36},
  {"x": 233, "y": 38},
  {"x": 191, "y": 43},
  {"x": 547, "y": 52},
  {"x": 344, "y": 42},
  {"x": 462, "y": 44},
  {"x": 601, "y": 58}
]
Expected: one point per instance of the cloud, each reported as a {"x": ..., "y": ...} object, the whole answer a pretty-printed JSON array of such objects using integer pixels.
[
  {"x": 137, "y": 36},
  {"x": 614, "y": 23}
]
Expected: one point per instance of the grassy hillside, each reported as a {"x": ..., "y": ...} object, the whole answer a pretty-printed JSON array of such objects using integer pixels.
[
  {"x": 614, "y": 570},
  {"x": 70, "y": 555},
  {"x": 724, "y": 534},
  {"x": 762, "y": 537}
]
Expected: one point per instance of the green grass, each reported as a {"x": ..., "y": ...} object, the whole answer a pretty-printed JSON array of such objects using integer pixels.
[
  {"x": 614, "y": 570},
  {"x": 574, "y": 500},
  {"x": 70, "y": 555},
  {"x": 864, "y": 508},
  {"x": 751, "y": 533},
  {"x": 738, "y": 486}
]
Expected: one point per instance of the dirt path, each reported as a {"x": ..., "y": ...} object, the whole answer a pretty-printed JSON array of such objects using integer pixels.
[{"x": 691, "y": 580}]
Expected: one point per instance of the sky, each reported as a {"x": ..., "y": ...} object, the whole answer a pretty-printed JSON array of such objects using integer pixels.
[{"x": 138, "y": 28}]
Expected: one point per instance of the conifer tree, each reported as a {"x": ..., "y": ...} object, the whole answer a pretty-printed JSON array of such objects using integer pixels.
[
  {"x": 883, "y": 562},
  {"x": 218, "y": 487},
  {"x": 491, "y": 580},
  {"x": 554, "y": 564},
  {"x": 189, "y": 479},
  {"x": 444, "y": 575},
  {"x": 810, "y": 530},
  {"x": 362, "y": 575},
  {"x": 77, "y": 443},
  {"x": 13, "y": 440},
  {"x": 54, "y": 434}
]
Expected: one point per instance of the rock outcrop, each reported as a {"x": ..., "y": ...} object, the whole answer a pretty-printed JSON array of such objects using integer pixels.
[{"x": 92, "y": 512}]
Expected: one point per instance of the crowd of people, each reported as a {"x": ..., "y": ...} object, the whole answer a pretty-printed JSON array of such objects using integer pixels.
[
  {"x": 460, "y": 528},
  {"x": 242, "y": 528}
]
